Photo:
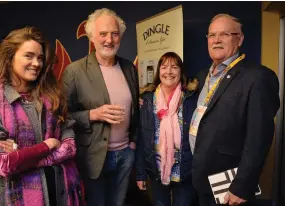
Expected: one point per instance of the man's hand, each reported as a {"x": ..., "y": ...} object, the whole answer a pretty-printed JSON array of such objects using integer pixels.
[
  {"x": 141, "y": 185},
  {"x": 231, "y": 199},
  {"x": 132, "y": 145},
  {"x": 112, "y": 114}
]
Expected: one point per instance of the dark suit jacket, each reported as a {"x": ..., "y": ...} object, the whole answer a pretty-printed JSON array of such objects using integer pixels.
[
  {"x": 237, "y": 128},
  {"x": 86, "y": 90}
]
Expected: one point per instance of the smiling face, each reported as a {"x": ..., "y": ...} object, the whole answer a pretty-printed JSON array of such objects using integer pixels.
[
  {"x": 27, "y": 62},
  {"x": 106, "y": 37},
  {"x": 169, "y": 74},
  {"x": 224, "y": 39}
]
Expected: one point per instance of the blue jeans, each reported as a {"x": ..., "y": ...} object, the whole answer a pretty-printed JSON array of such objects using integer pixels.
[
  {"x": 110, "y": 188},
  {"x": 183, "y": 194}
]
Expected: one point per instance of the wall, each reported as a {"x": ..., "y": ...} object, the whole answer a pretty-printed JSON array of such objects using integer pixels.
[
  {"x": 59, "y": 20},
  {"x": 271, "y": 13}
]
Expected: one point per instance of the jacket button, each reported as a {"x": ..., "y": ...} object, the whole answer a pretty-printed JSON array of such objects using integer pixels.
[
  {"x": 105, "y": 139},
  {"x": 185, "y": 122}
]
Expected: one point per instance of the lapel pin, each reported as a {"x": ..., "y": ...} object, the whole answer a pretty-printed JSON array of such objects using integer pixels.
[{"x": 228, "y": 76}]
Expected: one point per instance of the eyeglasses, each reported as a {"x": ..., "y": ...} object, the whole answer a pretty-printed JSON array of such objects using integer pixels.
[{"x": 222, "y": 35}]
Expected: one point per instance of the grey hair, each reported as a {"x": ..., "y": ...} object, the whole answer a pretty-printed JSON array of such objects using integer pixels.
[
  {"x": 100, "y": 12},
  {"x": 230, "y": 17}
]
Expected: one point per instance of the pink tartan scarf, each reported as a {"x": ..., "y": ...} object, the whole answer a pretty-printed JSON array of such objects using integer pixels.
[{"x": 169, "y": 134}]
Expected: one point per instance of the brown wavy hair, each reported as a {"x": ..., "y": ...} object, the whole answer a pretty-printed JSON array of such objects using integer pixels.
[
  {"x": 46, "y": 84},
  {"x": 192, "y": 85}
]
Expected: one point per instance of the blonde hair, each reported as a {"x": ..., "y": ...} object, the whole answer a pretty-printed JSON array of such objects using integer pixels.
[{"x": 89, "y": 27}]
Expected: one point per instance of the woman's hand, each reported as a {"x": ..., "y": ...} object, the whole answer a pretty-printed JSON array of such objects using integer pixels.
[
  {"x": 140, "y": 102},
  {"x": 141, "y": 185},
  {"x": 52, "y": 143},
  {"x": 8, "y": 145}
]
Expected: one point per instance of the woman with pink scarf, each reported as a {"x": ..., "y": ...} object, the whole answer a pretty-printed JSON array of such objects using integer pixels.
[{"x": 163, "y": 152}]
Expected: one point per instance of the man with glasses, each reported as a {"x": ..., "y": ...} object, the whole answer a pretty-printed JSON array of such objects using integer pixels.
[{"x": 233, "y": 124}]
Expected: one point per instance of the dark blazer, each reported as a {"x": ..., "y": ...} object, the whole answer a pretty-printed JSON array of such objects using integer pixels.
[
  {"x": 145, "y": 156},
  {"x": 86, "y": 90},
  {"x": 237, "y": 128}
]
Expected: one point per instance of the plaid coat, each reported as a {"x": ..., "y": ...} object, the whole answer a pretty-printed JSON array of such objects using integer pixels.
[{"x": 22, "y": 177}]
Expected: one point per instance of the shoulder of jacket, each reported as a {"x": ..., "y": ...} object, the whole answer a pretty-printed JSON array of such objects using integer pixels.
[
  {"x": 257, "y": 69},
  {"x": 147, "y": 96},
  {"x": 124, "y": 63},
  {"x": 78, "y": 64}
]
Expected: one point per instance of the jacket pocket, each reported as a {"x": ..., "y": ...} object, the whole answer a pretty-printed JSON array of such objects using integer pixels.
[
  {"x": 222, "y": 159},
  {"x": 234, "y": 95},
  {"x": 228, "y": 151},
  {"x": 84, "y": 139}
]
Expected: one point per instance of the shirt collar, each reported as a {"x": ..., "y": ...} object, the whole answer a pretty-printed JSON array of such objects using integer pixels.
[
  {"x": 222, "y": 66},
  {"x": 10, "y": 93},
  {"x": 231, "y": 59},
  {"x": 115, "y": 65}
]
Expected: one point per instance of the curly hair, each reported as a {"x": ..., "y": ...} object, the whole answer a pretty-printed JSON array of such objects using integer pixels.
[{"x": 89, "y": 27}]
